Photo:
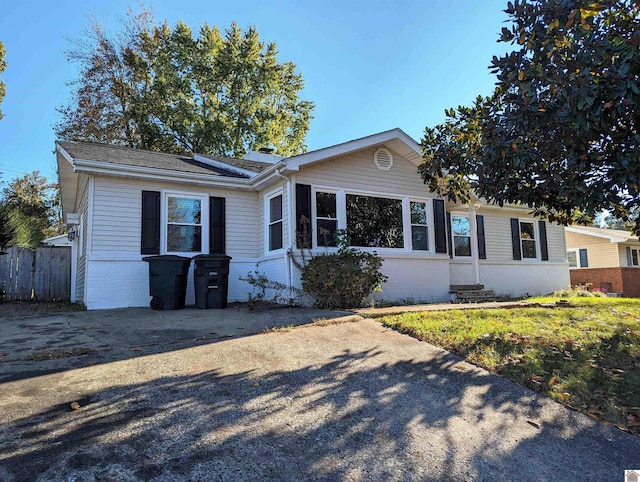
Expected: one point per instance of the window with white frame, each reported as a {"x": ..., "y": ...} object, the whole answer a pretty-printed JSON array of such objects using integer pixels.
[
  {"x": 374, "y": 221},
  {"x": 419, "y": 226},
  {"x": 633, "y": 256},
  {"x": 528, "y": 240},
  {"x": 275, "y": 221},
  {"x": 461, "y": 232},
  {"x": 183, "y": 231},
  {"x": 578, "y": 258},
  {"x": 326, "y": 218}
]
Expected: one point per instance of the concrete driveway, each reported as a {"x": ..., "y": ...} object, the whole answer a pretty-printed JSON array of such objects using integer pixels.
[{"x": 350, "y": 401}]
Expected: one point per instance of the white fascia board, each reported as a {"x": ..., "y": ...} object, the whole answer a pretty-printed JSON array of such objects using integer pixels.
[
  {"x": 267, "y": 174},
  {"x": 223, "y": 165},
  {"x": 64, "y": 153},
  {"x": 98, "y": 167},
  {"x": 586, "y": 232},
  {"x": 72, "y": 219},
  {"x": 294, "y": 163}
]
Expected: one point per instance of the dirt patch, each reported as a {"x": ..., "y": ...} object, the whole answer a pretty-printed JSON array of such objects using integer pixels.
[
  {"x": 19, "y": 309},
  {"x": 60, "y": 353}
]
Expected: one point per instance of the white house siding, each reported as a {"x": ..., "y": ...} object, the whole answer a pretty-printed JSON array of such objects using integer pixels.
[
  {"x": 506, "y": 276},
  {"x": 420, "y": 280},
  {"x": 517, "y": 279},
  {"x": 82, "y": 210},
  {"x": 262, "y": 241},
  {"x": 117, "y": 276},
  {"x": 416, "y": 276},
  {"x": 357, "y": 171},
  {"x": 497, "y": 228}
]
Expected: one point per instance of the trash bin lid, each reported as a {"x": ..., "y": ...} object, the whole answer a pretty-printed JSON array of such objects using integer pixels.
[
  {"x": 211, "y": 257},
  {"x": 166, "y": 257}
]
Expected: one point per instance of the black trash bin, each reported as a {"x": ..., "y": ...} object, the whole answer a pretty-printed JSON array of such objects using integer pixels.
[
  {"x": 167, "y": 281},
  {"x": 211, "y": 280}
]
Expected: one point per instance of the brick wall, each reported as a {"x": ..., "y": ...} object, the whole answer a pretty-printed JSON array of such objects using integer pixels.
[
  {"x": 598, "y": 277},
  {"x": 621, "y": 280},
  {"x": 631, "y": 280}
]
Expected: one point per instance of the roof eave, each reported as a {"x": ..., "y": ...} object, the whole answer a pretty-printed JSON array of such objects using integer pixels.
[
  {"x": 610, "y": 237},
  {"x": 294, "y": 163}
]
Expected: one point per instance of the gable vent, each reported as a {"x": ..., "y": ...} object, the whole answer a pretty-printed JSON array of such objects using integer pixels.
[{"x": 383, "y": 159}]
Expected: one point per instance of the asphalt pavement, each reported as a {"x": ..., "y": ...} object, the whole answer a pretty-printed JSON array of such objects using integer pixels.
[{"x": 193, "y": 395}]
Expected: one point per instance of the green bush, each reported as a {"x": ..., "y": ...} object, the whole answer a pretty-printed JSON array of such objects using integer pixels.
[{"x": 343, "y": 279}]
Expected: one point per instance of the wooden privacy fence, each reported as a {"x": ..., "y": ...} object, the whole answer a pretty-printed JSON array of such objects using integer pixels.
[{"x": 40, "y": 275}]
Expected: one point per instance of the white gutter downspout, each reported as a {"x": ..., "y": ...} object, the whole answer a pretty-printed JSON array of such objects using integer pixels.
[{"x": 291, "y": 215}]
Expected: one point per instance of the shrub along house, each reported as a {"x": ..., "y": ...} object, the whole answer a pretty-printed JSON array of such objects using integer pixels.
[
  {"x": 607, "y": 259},
  {"x": 123, "y": 204}
]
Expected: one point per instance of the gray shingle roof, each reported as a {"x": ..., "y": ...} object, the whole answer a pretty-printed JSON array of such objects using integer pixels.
[
  {"x": 255, "y": 166},
  {"x": 127, "y": 156}
]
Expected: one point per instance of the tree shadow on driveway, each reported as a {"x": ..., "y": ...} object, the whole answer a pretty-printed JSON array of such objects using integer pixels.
[{"x": 320, "y": 403}]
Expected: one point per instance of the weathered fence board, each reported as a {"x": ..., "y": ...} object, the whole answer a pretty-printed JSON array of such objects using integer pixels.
[{"x": 42, "y": 275}]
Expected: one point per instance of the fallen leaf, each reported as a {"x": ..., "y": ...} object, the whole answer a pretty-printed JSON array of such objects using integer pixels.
[
  {"x": 92, "y": 363},
  {"x": 633, "y": 420},
  {"x": 137, "y": 348},
  {"x": 368, "y": 419},
  {"x": 553, "y": 380},
  {"x": 617, "y": 371},
  {"x": 255, "y": 385},
  {"x": 460, "y": 366},
  {"x": 75, "y": 406},
  {"x": 533, "y": 424},
  {"x": 537, "y": 378}
]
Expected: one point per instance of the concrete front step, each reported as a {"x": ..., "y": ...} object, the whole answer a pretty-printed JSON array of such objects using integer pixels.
[
  {"x": 474, "y": 296},
  {"x": 455, "y": 288}
]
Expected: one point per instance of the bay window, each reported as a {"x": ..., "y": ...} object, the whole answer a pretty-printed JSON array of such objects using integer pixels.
[
  {"x": 373, "y": 221},
  {"x": 419, "y": 226},
  {"x": 326, "y": 218}
]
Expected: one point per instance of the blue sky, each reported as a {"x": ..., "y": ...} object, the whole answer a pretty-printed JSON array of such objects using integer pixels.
[{"x": 369, "y": 65}]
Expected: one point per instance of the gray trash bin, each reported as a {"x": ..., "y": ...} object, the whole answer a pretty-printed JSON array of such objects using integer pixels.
[
  {"x": 211, "y": 280},
  {"x": 167, "y": 281}
]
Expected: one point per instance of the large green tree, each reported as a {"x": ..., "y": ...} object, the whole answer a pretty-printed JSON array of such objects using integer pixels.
[
  {"x": 560, "y": 133},
  {"x": 28, "y": 211},
  {"x": 162, "y": 88},
  {"x": 3, "y": 65}
]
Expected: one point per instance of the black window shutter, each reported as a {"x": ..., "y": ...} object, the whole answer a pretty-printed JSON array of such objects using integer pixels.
[
  {"x": 150, "y": 236},
  {"x": 544, "y": 250},
  {"x": 304, "y": 226},
  {"x": 584, "y": 260},
  {"x": 482, "y": 250},
  {"x": 515, "y": 238},
  {"x": 217, "y": 225},
  {"x": 439, "y": 227}
]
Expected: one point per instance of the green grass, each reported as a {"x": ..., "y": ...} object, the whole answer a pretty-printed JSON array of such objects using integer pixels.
[{"x": 586, "y": 356}]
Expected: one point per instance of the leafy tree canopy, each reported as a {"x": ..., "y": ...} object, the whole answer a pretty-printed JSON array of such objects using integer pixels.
[
  {"x": 3, "y": 65},
  {"x": 560, "y": 133},
  {"x": 29, "y": 211},
  {"x": 162, "y": 88}
]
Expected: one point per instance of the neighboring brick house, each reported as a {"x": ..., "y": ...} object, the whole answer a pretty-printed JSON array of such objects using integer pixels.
[{"x": 607, "y": 259}]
